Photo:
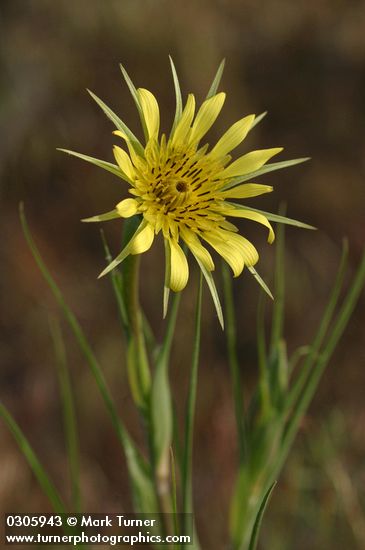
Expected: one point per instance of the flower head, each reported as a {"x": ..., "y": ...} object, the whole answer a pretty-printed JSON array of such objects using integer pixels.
[{"x": 185, "y": 190}]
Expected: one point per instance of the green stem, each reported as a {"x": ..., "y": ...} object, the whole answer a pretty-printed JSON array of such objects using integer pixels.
[
  {"x": 138, "y": 367},
  {"x": 190, "y": 410},
  {"x": 160, "y": 450},
  {"x": 264, "y": 387},
  {"x": 234, "y": 366},
  {"x": 278, "y": 310}
]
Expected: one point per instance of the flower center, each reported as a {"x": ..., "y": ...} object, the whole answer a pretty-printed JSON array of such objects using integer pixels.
[{"x": 181, "y": 186}]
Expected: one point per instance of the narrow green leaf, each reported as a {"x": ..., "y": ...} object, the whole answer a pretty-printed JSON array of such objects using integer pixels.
[
  {"x": 258, "y": 119},
  {"x": 214, "y": 87},
  {"x": 321, "y": 359},
  {"x": 297, "y": 356},
  {"x": 69, "y": 415},
  {"x": 112, "y": 168},
  {"x": 44, "y": 481},
  {"x": 107, "y": 216},
  {"x": 131, "y": 86},
  {"x": 264, "y": 170},
  {"x": 213, "y": 291},
  {"x": 77, "y": 332},
  {"x": 115, "y": 277},
  {"x": 178, "y": 110},
  {"x": 141, "y": 478},
  {"x": 256, "y": 529},
  {"x": 133, "y": 91},
  {"x": 280, "y": 219},
  {"x": 283, "y": 369},
  {"x": 125, "y": 253},
  {"x": 119, "y": 124},
  {"x": 261, "y": 282},
  {"x": 301, "y": 380}
]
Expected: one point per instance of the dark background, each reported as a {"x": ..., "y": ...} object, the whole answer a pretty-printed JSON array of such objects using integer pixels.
[{"x": 302, "y": 61}]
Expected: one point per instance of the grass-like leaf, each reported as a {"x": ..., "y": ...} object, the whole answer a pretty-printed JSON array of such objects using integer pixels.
[
  {"x": 108, "y": 166},
  {"x": 178, "y": 110},
  {"x": 256, "y": 529},
  {"x": 264, "y": 170},
  {"x": 260, "y": 280},
  {"x": 132, "y": 88},
  {"x": 138, "y": 470},
  {"x": 119, "y": 124},
  {"x": 69, "y": 416},
  {"x": 214, "y": 87},
  {"x": 213, "y": 291},
  {"x": 321, "y": 359},
  {"x": 74, "y": 325},
  {"x": 314, "y": 349},
  {"x": 280, "y": 219},
  {"x": 37, "y": 468},
  {"x": 133, "y": 91},
  {"x": 258, "y": 119}
]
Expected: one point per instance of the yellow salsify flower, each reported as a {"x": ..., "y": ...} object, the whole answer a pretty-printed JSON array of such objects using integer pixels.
[{"x": 185, "y": 190}]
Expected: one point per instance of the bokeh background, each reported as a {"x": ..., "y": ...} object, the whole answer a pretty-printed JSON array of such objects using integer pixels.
[{"x": 302, "y": 61}]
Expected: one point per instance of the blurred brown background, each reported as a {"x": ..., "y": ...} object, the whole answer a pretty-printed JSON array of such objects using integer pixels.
[{"x": 302, "y": 61}]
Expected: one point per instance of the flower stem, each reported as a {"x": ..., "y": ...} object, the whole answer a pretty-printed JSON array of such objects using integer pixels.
[
  {"x": 234, "y": 366},
  {"x": 138, "y": 367},
  {"x": 190, "y": 410}
]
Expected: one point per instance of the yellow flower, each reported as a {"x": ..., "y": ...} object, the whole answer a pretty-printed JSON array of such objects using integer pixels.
[{"x": 183, "y": 189}]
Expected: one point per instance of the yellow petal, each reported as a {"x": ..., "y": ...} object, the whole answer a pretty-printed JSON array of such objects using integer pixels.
[
  {"x": 246, "y": 190},
  {"x": 124, "y": 162},
  {"x": 127, "y": 208},
  {"x": 233, "y": 137},
  {"x": 150, "y": 112},
  {"x": 249, "y": 252},
  {"x": 121, "y": 134},
  {"x": 137, "y": 160},
  {"x": 249, "y": 163},
  {"x": 113, "y": 214},
  {"x": 235, "y": 249},
  {"x": 125, "y": 252},
  {"x": 197, "y": 248},
  {"x": 183, "y": 126},
  {"x": 143, "y": 240},
  {"x": 179, "y": 269},
  {"x": 250, "y": 215},
  {"x": 206, "y": 117},
  {"x": 229, "y": 253}
]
